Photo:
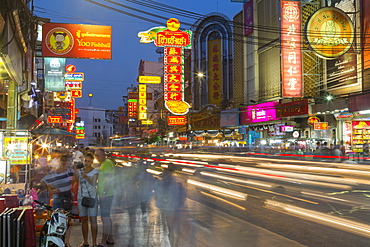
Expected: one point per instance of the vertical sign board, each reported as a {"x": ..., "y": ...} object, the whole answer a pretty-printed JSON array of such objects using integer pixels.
[
  {"x": 142, "y": 102},
  {"x": 132, "y": 108},
  {"x": 54, "y": 74},
  {"x": 174, "y": 41},
  {"x": 291, "y": 49},
  {"x": 214, "y": 72},
  {"x": 16, "y": 150},
  {"x": 248, "y": 17}
]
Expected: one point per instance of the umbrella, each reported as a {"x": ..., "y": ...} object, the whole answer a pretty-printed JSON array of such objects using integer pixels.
[{"x": 52, "y": 131}]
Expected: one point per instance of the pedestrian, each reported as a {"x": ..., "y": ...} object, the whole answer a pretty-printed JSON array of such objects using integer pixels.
[
  {"x": 146, "y": 183},
  {"x": 105, "y": 194},
  {"x": 87, "y": 177},
  {"x": 58, "y": 182},
  {"x": 170, "y": 198}
]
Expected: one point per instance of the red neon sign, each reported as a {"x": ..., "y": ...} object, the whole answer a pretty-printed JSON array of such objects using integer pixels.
[{"x": 55, "y": 119}]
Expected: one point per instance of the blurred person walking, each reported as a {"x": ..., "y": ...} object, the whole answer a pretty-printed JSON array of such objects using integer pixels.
[
  {"x": 87, "y": 177},
  {"x": 170, "y": 198},
  {"x": 58, "y": 182},
  {"x": 105, "y": 194}
]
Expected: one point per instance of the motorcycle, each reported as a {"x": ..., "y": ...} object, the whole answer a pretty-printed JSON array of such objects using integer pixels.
[{"x": 54, "y": 229}]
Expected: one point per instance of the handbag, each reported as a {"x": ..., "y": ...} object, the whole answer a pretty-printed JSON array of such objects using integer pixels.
[{"x": 87, "y": 201}]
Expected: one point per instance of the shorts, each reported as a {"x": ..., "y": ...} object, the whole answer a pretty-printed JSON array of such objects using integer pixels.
[
  {"x": 105, "y": 206},
  {"x": 85, "y": 211},
  {"x": 62, "y": 201}
]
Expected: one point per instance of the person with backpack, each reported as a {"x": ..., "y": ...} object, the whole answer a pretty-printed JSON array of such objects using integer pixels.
[{"x": 170, "y": 197}]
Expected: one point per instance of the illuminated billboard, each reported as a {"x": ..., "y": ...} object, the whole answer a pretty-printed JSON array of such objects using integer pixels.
[
  {"x": 174, "y": 41},
  {"x": 76, "y": 41},
  {"x": 54, "y": 74},
  {"x": 291, "y": 49},
  {"x": 330, "y": 32},
  {"x": 215, "y": 72}
]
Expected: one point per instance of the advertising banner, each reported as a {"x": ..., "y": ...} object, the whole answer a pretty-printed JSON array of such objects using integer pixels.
[
  {"x": 248, "y": 17},
  {"x": 321, "y": 126},
  {"x": 295, "y": 108},
  {"x": 291, "y": 49},
  {"x": 259, "y": 113},
  {"x": 214, "y": 72},
  {"x": 16, "y": 149},
  {"x": 76, "y": 41},
  {"x": 54, "y": 74},
  {"x": 229, "y": 118}
]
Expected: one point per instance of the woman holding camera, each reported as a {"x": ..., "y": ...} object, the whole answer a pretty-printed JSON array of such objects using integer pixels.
[{"x": 88, "y": 177}]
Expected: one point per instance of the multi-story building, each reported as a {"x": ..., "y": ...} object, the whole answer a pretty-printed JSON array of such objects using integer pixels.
[{"x": 98, "y": 123}]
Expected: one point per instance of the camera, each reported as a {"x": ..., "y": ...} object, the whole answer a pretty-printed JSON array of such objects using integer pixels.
[{"x": 80, "y": 165}]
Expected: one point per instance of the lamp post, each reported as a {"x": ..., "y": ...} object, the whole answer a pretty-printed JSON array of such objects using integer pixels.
[{"x": 90, "y": 96}]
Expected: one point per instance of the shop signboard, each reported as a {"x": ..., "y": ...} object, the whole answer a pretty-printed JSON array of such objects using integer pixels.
[
  {"x": 142, "y": 102},
  {"x": 248, "y": 17},
  {"x": 343, "y": 116},
  {"x": 77, "y": 76},
  {"x": 294, "y": 108},
  {"x": 312, "y": 120},
  {"x": 150, "y": 79},
  {"x": 176, "y": 120},
  {"x": 54, "y": 74},
  {"x": 16, "y": 150},
  {"x": 291, "y": 50},
  {"x": 147, "y": 122},
  {"x": 76, "y": 93},
  {"x": 331, "y": 36},
  {"x": 76, "y": 41},
  {"x": 215, "y": 81},
  {"x": 229, "y": 118},
  {"x": 73, "y": 85},
  {"x": 259, "y": 113},
  {"x": 174, "y": 41},
  {"x": 321, "y": 126},
  {"x": 286, "y": 128},
  {"x": 55, "y": 119}
]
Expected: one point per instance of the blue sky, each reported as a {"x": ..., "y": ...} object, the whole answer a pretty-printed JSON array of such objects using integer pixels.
[{"x": 108, "y": 79}]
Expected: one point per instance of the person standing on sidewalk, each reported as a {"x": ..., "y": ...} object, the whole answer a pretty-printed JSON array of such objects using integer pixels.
[
  {"x": 59, "y": 183},
  {"x": 88, "y": 177},
  {"x": 105, "y": 193}
]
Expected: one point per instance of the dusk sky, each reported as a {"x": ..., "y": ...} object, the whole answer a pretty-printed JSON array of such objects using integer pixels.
[{"x": 108, "y": 79}]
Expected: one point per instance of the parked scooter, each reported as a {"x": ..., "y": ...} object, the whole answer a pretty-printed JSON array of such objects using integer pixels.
[{"x": 54, "y": 230}]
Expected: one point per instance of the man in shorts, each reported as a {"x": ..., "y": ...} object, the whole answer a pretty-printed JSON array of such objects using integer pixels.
[{"x": 105, "y": 193}]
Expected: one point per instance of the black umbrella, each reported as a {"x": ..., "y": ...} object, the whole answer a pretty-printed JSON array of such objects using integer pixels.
[{"x": 52, "y": 131}]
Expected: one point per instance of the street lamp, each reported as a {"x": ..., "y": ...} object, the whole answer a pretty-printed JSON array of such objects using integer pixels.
[{"x": 90, "y": 96}]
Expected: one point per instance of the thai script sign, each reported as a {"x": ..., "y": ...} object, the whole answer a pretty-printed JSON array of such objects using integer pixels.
[{"x": 76, "y": 41}]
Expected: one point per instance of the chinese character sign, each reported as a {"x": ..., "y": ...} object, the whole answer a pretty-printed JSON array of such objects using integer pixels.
[
  {"x": 174, "y": 41},
  {"x": 291, "y": 50},
  {"x": 142, "y": 102},
  {"x": 214, "y": 72}
]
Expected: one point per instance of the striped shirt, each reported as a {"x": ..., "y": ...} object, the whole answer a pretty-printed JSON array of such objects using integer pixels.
[{"x": 60, "y": 181}]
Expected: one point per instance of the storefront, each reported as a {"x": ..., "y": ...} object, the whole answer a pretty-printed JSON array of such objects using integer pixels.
[
  {"x": 356, "y": 130},
  {"x": 260, "y": 122},
  {"x": 205, "y": 126}
]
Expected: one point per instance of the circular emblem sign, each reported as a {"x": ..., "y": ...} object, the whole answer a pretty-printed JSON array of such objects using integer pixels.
[
  {"x": 330, "y": 32},
  {"x": 59, "y": 41}
]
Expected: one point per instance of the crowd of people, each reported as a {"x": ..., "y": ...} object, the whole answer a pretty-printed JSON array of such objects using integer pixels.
[{"x": 65, "y": 177}]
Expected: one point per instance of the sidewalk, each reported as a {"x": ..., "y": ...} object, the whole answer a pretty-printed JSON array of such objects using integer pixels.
[{"x": 207, "y": 228}]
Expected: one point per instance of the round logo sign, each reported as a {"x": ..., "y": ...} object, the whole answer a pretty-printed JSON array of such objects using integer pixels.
[
  {"x": 312, "y": 120},
  {"x": 330, "y": 32},
  {"x": 295, "y": 134},
  {"x": 59, "y": 41}
]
